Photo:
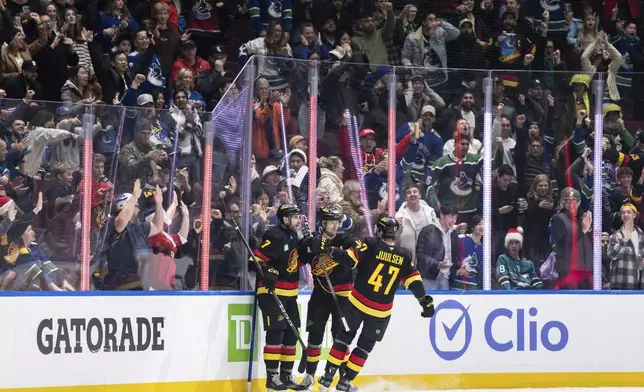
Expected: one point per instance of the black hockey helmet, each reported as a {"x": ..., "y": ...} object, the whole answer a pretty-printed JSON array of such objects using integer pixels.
[
  {"x": 386, "y": 228},
  {"x": 287, "y": 211},
  {"x": 329, "y": 214}
]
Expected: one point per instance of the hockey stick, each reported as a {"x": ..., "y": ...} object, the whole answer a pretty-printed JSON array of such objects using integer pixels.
[
  {"x": 252, "y": 343},
  {"x": 277, "y": 300},
  {"x": 305, "y": 222}
]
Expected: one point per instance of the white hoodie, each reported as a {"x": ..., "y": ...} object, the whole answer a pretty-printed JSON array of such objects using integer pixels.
[{"x": 408, "y": 233}]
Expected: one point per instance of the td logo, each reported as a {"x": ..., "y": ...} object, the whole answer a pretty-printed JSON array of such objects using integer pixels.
[
  {"x": 239, "y": 332},
  {"x": 503, "y": 330}
]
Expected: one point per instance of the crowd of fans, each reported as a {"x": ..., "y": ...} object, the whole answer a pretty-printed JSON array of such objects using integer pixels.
[{"x": 146, "y": 78}]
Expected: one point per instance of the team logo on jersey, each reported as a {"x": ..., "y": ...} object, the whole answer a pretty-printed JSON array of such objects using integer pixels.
[
  {"x": 201, "y": 10},
  {"x": 462, "y": 185},
  {"x": 321, "y": 260},
  {"x": 292, "y": 261},
  {"x": 550, "y": 5}
]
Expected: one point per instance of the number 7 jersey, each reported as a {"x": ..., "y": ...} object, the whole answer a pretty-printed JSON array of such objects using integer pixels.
[{"x": 381, "y": 268}]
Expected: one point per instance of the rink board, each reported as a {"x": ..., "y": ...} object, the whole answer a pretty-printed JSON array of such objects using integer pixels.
[{"x": 200, "y": 342}]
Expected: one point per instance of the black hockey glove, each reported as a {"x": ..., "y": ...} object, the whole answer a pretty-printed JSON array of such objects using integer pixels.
[
  {"x": 270, "y": 276},
  {"x": 427, "y": 302},
  {"x": 315, "y": 244}
]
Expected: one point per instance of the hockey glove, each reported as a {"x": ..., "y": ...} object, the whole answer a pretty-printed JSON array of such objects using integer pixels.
[
  {"x": 270, "y": 276},
  {"x": 427, "y": 302},
  {"x": 315, "y": 244}
]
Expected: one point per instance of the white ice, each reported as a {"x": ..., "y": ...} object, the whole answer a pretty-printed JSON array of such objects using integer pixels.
[{"x": 613, "y": 389}]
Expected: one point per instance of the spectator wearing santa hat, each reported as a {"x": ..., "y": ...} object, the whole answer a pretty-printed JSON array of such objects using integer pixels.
[{"x": 514, "y": 272}]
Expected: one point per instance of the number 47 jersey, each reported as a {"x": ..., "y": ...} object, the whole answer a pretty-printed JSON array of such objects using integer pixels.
[{"x": 381, "y": 269}]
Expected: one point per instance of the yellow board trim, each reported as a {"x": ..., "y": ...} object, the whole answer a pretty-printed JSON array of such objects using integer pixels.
[{"x": 400, "y": 382}]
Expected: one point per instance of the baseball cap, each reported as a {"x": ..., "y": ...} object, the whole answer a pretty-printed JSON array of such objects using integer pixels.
[
  {"x": 367, "y": 132},
  {"x": 269, "y": 169},
  {"x": 29, "y": 66},
  {"x": 188, "y": 44},
  {"x": 218, "y": 50},
  {"x": 428, "y": 109},
  {"x": 144, "y": 99},
  {"x": 294, "y": 140}
]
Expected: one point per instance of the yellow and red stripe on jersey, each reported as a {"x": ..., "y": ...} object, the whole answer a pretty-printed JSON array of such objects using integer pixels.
[
  {"x": 336, "y": 357},
  {"x": 272, "y": 353},
  {"x": 413, "y": 277},
  {"x": 313, "y": 354},
  {"x": 356, "y": 363},
  {"x": 342, "y": 290},
  {"x": 260, "y": 255},
  {"x": 288, "y": 354},
  {"x": 283, "y": 289},
  {"x": 368, "y": 306}
]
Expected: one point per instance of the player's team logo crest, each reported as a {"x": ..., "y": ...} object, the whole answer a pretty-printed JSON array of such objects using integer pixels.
[{"x": 292, "y": 261}]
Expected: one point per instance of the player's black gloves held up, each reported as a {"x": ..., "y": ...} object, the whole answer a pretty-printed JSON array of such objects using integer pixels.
[
  {"x": 315, "y": 244},
  {"x": 270, "y": 276},
  {"x": 427, "y": 302}
]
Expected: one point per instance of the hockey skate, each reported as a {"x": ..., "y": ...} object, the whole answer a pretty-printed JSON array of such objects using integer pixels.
[
  {"x": 308, "y": 382},
  {"x": 325, "y": 381},
  {"x": 291, "y": 383},
  {"x": 274, "y": 383},
  {"x": 344, "y": 385}
]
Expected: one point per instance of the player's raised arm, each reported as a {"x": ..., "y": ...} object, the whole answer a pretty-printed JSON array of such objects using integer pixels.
[{"x": 414, "y": 282}]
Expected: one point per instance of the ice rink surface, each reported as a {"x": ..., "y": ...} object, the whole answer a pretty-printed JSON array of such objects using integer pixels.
[{"x": 613, "y": 389}]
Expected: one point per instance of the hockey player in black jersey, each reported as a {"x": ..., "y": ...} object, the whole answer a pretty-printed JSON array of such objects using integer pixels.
[
  {"x": 278, "y": 256},
  {"x": 381, "y": 267},
  {"x": 322, "y": 305}
]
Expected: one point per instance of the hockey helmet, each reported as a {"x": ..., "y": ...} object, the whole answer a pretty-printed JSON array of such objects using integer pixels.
[
  {"x": 287, "y": 211},
  {"x": 386, "y": 228},
  {"x": 329, "y": 214}
]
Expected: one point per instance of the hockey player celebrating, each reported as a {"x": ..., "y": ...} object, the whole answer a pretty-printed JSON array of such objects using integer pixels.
[
  {"x": 381, "y": 267},
  {"x": 278, "y": 257},
  {"x": 322, "y": 304}
]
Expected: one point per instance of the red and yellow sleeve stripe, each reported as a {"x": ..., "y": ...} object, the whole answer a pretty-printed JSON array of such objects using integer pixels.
[
  {"x": 413, "y": 277},
  {"x": 259, "y": 256}
]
